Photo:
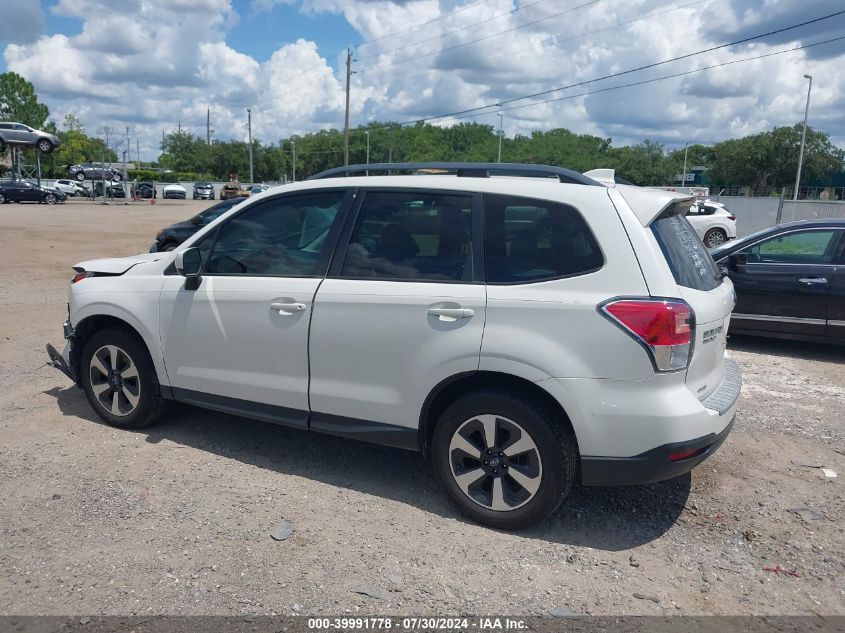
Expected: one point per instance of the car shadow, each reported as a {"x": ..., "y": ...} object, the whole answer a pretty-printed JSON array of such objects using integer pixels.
[
  {"x": 609, "y": 519},
  {"x": 788, "y": 348}
]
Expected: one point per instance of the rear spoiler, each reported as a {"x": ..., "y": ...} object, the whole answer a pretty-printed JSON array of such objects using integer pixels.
[{"x": 649, "y": 204}]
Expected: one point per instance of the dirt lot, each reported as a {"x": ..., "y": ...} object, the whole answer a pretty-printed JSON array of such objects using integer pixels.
[{"x": 176, "y": 519}]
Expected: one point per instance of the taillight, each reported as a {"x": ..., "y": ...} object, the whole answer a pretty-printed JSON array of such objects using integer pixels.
[
  {"x": 664, "y": 327},
  {"x": 732, "y": 218},
  {"x": 80, "y": 276}
]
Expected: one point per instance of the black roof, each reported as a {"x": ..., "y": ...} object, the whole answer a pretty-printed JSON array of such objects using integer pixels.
[{"x": 468, "y": 170}]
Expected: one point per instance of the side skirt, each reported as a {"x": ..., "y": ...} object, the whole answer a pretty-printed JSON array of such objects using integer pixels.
[{"x": 352, "y": 428}]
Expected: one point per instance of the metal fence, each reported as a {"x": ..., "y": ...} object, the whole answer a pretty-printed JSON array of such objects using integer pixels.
[{"x": 754, "y": 214}]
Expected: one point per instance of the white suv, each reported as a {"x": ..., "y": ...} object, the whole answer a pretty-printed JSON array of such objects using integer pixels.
[
  {"x": 522, "y": 331},
  {"x": 713, "y": 222}
]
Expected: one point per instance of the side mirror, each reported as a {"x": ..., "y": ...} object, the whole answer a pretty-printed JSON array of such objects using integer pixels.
[
  {"x": 738, "y": 259},
  {"x": 197, "y": 220},
  {"x": 189, "y": 264}
]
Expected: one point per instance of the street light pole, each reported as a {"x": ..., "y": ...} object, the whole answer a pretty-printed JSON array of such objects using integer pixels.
[
  {"x": 367, "y": 134},
  {"x": 501, "y": 121},
  {"x": 293, "y": 148},
  {"x": 684, "y": 175},
  {"x": 249, "y": 126},
  {"x": 803, "y": 137}
]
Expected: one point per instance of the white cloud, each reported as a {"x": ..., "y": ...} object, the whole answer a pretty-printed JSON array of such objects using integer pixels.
[
  {"x": 446, "y": 56},
  {"x": 23, "y": 23}
]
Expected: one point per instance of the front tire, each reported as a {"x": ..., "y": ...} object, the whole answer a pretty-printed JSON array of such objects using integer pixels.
[
  {"x": 45, "y": 146},
  {"x": 2, "y": 199},
  {"x": 50, "y": 199},
  {"x": 714, "y": 238},
  {"x": 119, "y": 379},
  {"x": 80, "y": 176},
  {"x": 505, "y": 461},
  {"x": 116, "y": 177}
]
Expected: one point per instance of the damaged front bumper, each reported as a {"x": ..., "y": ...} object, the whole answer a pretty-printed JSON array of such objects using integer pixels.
[{"x": 61, "y": 360}]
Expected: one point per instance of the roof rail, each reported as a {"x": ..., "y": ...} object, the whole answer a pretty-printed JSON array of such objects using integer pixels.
[{"x": 467, "y": 170}]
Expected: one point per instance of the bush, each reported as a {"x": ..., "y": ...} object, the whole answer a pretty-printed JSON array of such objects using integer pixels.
[{"x": 148, "y": 175}]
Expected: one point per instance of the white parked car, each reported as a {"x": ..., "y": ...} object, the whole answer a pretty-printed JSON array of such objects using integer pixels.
[
  {"x": 519, "y": 331},
  {"x": 70, "y": 187},
  {"x": 713, "y": 222},
  {"x": 175, "y": 191}
]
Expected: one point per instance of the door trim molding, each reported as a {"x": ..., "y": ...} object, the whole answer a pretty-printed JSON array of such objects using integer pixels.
[
  {"x": 777, "y": 319},
  {"x": 836, "y": 322},
  {"x": 374, "y": 432}
]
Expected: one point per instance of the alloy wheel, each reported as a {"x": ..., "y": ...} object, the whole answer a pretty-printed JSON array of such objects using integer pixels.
[
  {"x": 50, "y": 199},
  {"x": 45, "y": 146},
  {"x": 715, "y": 238},
  {"x": 495, "y": 462},
  {"x": 115, "y": 382},
  {"x": 2, "y": 198}
]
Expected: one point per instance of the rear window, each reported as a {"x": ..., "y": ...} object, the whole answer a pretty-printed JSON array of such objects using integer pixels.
[{"x": 691, "y": 264}]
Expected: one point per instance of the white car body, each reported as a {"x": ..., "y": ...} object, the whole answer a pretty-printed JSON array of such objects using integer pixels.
[
  {"x": 713, "y": 222},
  {"x": 358, "y": 357},
  {"x": 70, "y": 187},
  {"x": 175, "y": 189}
]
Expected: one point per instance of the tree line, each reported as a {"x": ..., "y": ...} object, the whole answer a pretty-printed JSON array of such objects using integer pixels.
[{"x": 767, "y": 160}]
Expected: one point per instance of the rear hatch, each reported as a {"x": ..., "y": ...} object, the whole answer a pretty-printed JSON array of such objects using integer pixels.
[{"x": 709, "y": 295}]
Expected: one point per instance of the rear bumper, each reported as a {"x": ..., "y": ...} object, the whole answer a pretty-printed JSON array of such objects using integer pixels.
[
  {"x": 652, "y": 466},
  {"x": 628, "y": 429}
]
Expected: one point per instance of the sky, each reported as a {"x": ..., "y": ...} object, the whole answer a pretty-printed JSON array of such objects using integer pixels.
[{"x": 155, "y": 65}]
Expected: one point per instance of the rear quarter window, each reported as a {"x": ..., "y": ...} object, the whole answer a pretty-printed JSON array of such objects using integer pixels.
[{"x": 690, "y": 263}]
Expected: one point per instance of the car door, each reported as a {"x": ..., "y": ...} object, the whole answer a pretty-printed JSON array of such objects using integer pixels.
[
  {"x": 782, "y": 282},
  {"x": 401, "y": 310},
  {"x": 836, "y": 295},
  {"x": 239, "y": 342}
]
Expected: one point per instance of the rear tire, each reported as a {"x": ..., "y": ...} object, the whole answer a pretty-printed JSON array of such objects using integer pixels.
[
  {"x": 120, "y": 380},
  {"x": 116, "y": 177},
  {"x": 80, "y": 176},
  {"x": 505, "y": 461},
  {"x": 2, "y": 199},
  {"x": 714, "y": 238}
]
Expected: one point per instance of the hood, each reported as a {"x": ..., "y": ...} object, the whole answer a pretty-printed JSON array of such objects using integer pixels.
[
  {"x": 182, "y": 226},
  {"x": 117, "y": 265},
  {"x": 179, "y": 187}
]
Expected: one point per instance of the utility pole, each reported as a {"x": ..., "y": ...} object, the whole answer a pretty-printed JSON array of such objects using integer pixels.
[
  {"x": 138, "y": 151},
  {"x": 208, "y": 126},
  {"x": 249, "y": 127},
  {"x": 501, "y": 121},
  {"x": 125, "y": 179},
  {"x": 180, "y": 127},
  {"x": 684, "y": 175},
  {"x": 367, "y": 133},
  {"x": 803, "y": 137},
  {"x": 346, "y": 115},
  {"x": 293, "y": 147}
]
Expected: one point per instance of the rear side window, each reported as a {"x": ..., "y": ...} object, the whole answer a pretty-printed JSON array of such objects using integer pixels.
[
  {"x": 530, "y": 240},
  {"x": 807, "y": 247},
  {"x": 691, "y": 264}
]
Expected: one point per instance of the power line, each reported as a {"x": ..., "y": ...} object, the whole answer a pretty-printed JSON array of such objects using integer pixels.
[
  {"x": 499, "y": 104},
  {"x": 419, "y": 26},
  {"x": 481, "y": 39},
  {"x": 458, "y": 30},
  {"x": 656, "y": 79}
]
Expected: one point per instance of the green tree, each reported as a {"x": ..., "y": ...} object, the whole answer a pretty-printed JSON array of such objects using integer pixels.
[{"x": 19, "y": 103}]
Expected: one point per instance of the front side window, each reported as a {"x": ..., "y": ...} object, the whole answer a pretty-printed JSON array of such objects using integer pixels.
[
  {"x": 806, "y": 247},
  {"x": 530, "y": 240},
  {"x": 282, "y": 237},
  {"x": 412, "y": 236}
]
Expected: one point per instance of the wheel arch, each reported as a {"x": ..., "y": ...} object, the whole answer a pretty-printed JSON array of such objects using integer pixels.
[
  {"x": 96, "y": 322},
  {"x": 448, "y": 390}
]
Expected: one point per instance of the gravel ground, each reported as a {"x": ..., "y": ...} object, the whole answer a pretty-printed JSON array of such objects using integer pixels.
[{"x": 177, "y": 519}]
